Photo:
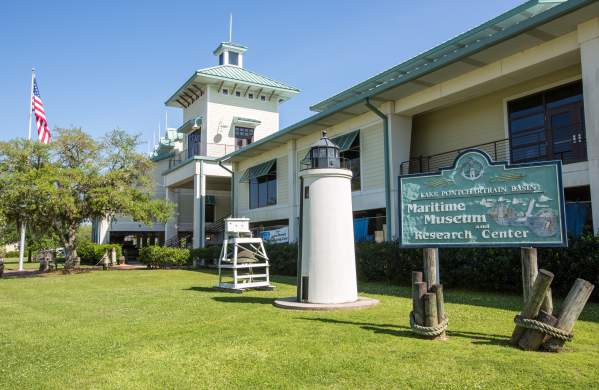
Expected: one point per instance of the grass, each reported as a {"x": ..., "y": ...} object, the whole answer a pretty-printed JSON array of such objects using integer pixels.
[
  {"x": 12, "y": 264},
  {"x": 169, "y": 329}
]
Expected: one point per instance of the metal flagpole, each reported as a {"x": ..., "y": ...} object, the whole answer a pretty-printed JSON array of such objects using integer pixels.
[
  {"x": 23, "y": 225},
  {"x": 230, "y": 27},
  {"x": 30, "y": 102}
]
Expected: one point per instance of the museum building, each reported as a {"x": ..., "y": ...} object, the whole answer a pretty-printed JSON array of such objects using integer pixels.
[{"x": 523, "y": 87}]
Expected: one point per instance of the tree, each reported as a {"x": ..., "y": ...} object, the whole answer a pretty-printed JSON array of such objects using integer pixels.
[
  {"x": 23, "y": 164},
  {"x": 77, "y": 179}
]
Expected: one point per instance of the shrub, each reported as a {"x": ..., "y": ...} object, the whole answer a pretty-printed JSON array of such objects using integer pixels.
[
  {"x": 159, "y": 256},
  {"x": 487, "y": 269},
  {"x": 282, "y": 258},
  {"x": 10, "y": 254},
  {"x": 209, "y": 254},
  {"x": 92, "y": 253}
]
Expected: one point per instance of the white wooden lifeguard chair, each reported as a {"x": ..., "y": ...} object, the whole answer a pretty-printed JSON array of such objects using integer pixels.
[{"x": 245, "y": 256}]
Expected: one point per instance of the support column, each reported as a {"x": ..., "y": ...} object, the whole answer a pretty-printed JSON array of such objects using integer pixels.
[
  {"x": 400, "y": 139},
  {"x": 588, "y": 38},
  {"x": 170, "y": 230},
  {"x": 292, "y": 190},
  {"x": 199, "y": 204},
  {"x": 235, "y": 190}
]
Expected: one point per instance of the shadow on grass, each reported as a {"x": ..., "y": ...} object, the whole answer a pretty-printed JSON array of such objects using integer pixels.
[
  {"x": 404, "y": 331},
  {"x": 246, "y": 299},
  {"x": 388, "y": 329}
]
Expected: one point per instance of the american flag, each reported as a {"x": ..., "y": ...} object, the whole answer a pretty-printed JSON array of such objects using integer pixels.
[{"x": 43, "y": 132}]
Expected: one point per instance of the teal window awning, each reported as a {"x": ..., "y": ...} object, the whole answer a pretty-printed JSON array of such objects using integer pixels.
[
  {"x": 346, "y": 140},
  {"x": 257, "y": 171}
]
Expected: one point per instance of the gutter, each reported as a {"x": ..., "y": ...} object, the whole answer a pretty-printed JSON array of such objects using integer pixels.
[
  {"x": 220, "y": 164},
  {"x": 388, "y": 215}
]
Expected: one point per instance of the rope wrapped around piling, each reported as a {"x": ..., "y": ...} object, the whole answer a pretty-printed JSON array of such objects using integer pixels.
[
  {"x": 428, "y": 331},
  {"x": 543, "y": 328}
]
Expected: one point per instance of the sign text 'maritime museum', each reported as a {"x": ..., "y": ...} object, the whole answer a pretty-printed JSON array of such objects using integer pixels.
[{"x": 481, "y": 203}]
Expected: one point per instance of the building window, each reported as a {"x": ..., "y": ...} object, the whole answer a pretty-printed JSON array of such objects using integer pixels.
[
  {"x": 221, "y": 59},
  {"x": 250, "y": 95},
  {"x": 548, "y": 125},
  {"x": 238, "y": 93},
  {"x": 352, "y": 158},
  {"x": 233, "y": 58},
  {"x": 225, "y": 91},
  {"x": 263, "y": 189},
  {"x": 263, "y": 98},
  {"x": 243, "y": 136},
  {"x": 194, "y": 141}
]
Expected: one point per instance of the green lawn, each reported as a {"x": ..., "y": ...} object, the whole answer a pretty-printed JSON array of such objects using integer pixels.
[
  {"x": 169, "y": 329},
  {"x": 12, "y": 264}
]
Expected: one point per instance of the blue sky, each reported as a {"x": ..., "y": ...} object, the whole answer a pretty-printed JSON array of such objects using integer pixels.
[{"x": 110, "y": 64}]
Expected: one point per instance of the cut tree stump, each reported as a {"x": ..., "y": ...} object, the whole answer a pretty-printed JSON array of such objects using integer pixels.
[
  {"x": 533, "y": 304},
  {"x": 571, "y": 309}
]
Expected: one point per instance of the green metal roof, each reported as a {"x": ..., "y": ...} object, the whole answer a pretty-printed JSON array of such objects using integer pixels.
[
  {"x": 236, "y": 73},
  {"x": 527, "y": 16},
  {"x": 490, "y": 32}
]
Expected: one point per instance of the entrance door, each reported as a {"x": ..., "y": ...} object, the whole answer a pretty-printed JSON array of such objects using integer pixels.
[{"x": 565, "y": 130}]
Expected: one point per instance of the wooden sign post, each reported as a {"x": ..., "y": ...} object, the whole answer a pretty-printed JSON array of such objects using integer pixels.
[
  {"x": 482, "y": 203},
  {"x": 428, "y": 318}
]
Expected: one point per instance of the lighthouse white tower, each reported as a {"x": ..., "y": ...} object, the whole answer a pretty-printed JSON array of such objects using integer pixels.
[
  {"x": 326, "y": 259},
  {"x": 328, "y": 264}
]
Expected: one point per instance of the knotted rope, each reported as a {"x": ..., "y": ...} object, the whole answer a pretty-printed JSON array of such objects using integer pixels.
[
  {"x": 429, "y": 331},
  {"x": 543, "y": 328}
]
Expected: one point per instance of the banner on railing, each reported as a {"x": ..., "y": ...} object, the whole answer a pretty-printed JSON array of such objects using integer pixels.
[{"x": 478, "y": 202}]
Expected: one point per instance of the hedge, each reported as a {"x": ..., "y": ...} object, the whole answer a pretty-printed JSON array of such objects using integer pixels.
[
  {"x": 92, "y": 253},
  {"x": 159, "y": 256},
  {"x": 486, "y": 269}
]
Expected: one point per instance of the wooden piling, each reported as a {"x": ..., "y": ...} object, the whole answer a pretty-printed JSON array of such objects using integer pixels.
[
  {"x": 571, "y": 308},
  {"x": 437, "y": 289},
  {"x": 533, "y": 339},
  {"x": 430, "y": 310},
  {"x": 533, "y": 304},
  {"x": 417, "y": 302},
  {"x": 431, "y": 257},
  {"x": 530, "y": 269}
]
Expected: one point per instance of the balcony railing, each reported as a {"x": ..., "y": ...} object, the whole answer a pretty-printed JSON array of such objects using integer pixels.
[
  {"x": 568, "y": 151},
  {"x": 498, "y": 150},
  {"x": 214, "y": 150}
]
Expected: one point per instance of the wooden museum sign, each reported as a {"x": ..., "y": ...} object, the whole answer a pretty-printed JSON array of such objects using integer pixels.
[
  {"x": 478, "y": 202},
  {"x": 481, "y": 203}
]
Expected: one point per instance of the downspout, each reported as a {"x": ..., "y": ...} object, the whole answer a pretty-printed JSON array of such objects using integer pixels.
[
  {"x": 220, "y": 163},
  {"x": 386, "y": 159}
]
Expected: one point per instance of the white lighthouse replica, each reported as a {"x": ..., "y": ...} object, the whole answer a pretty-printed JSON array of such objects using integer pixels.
[{"x": 326, "y": 258}]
